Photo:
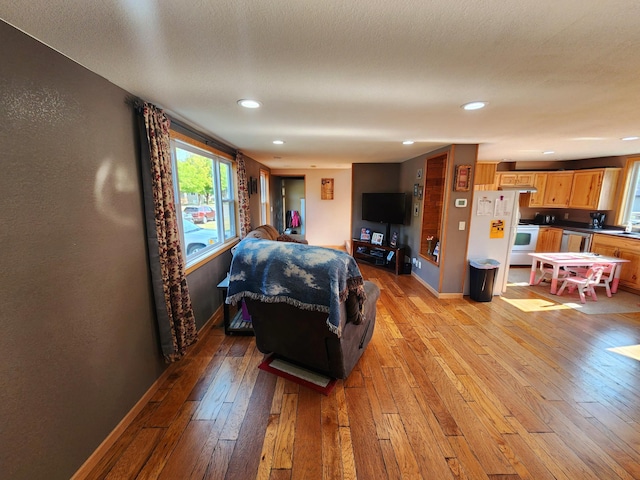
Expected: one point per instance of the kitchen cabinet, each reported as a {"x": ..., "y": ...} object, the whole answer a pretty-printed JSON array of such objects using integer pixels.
[
  {"x": 621, "y": 247},
  {"x": 485, "y": 174},
  {"x": 519, "y": 179},
  {"x": 557, "y": 189},
  {"x": 594, "y": 189},
  {"x": 549, "y": 239},
  {"x": 535, "y": 199}
]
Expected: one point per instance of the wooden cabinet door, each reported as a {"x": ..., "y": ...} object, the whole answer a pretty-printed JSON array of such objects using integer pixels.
[
  {"x": 594, "y": 189},
  {"x": 585, "y": 192},
  {"x": 630, "y": 273},
  {"x": 524, "y": 179},
  {"x": 536, "y": 199},
  {"x": 508, "y": 179},
  {"x": 626, "y": 248},
  {"x": 549, "y": 239},
  {"x": 485, "y": 174},
  {"x": 558, "y": 189}
]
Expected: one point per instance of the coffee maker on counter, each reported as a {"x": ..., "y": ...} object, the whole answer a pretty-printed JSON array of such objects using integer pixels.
[{"x": 597, "y": 219}]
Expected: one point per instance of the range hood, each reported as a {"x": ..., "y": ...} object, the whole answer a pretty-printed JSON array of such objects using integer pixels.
[{"x": 519, "y": 188}]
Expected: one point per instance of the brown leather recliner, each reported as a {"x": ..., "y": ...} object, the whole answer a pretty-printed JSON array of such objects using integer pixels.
[{"x": 302, "y": 336}]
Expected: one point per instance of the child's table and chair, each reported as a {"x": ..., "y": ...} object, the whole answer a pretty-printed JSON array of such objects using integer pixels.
[{"x": 561, "y": 265}]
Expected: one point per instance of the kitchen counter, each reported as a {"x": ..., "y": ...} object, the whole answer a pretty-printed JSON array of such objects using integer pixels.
[{"x": 583, "y": 228}]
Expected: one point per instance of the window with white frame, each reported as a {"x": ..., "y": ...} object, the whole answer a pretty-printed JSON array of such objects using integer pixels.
[
  {"x": 264, "y": 197},
  {"x": 204, "y": 193},
  {"x": 630, "y": 211}
]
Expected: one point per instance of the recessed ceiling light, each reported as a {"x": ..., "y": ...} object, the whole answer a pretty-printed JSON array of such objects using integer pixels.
[
  {"x": 408, "y": 142},
  {"x": 548, "y": 152},
  {"x": 278, "y": 142},
  {"x": 474, "y": 105},
  {"x": 628, "y": 139},
  {"x": 248, "y": 103}
]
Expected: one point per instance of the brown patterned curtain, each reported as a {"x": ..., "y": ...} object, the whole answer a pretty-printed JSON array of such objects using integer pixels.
[
  {"x": 243, "y": 193},
  {"x": 176, "y": 321}
]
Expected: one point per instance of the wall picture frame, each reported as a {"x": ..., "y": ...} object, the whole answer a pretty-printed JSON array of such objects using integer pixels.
[
  {"x": 326, "y": 192},
  {"x": 462, "y": 181}
]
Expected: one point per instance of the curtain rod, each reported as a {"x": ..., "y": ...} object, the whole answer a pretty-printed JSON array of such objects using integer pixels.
[
  {"x": 185, "y": 129},
  {"x": 207, "y": 140}
]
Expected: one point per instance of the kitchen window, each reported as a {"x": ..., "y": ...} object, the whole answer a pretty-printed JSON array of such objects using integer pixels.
[
  {"x": 205, "y": 196},
  {"x": 630, "y": 208}
]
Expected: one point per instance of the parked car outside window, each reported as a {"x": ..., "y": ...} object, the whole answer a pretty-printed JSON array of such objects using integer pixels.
[
  {"x": 197, "y": 238},
  {"x": 201, "y": 213}
]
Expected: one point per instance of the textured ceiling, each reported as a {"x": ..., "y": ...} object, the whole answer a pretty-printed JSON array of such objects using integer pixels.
[{"x": 348, "y": 81}]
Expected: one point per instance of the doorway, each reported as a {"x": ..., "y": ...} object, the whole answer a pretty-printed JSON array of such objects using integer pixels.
[{"x": 289, "y": 212}]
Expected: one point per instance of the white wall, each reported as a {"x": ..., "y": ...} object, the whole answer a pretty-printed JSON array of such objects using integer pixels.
[{"x": 328, "y": 222}]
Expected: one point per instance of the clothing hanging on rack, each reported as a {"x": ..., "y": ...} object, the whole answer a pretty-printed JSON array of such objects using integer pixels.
[{"x": 295, "y": 219}]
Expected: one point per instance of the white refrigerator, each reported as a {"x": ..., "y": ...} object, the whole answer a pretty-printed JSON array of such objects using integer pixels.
[{"x": 492, "y": 230}]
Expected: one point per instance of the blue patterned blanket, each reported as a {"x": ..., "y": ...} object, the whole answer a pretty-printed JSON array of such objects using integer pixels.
[{"x": 308, "y": 277}]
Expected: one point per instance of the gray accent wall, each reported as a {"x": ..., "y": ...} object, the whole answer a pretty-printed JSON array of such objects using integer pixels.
[
  {"x": 448, "y": 277},
  {"x": 372, "y": 178},
  {"x": 79, "y": 346}
]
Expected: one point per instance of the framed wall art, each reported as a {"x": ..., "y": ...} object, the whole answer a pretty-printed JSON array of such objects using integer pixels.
[
  {"x": 326, "y": 192},
  {"x": 462, "y": 179}
]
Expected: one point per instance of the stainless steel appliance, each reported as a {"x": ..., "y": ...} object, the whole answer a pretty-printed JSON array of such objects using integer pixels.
[
  {"x": 525, "y": 242},
  {"x": 573, "y": 241}
]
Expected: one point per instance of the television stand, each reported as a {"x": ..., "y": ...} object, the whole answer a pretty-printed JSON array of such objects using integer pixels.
[{"x": 378, "y": 255}]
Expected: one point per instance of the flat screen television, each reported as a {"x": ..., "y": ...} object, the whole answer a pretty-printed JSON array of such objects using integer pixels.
[{"x": 387, "y": 208}]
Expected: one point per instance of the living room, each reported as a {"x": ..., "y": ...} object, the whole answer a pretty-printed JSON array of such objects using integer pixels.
[{"x": 81, "y": 345}]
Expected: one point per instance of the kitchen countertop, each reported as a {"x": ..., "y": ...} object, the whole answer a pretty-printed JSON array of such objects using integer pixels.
[{"x": 584, "y": 228}]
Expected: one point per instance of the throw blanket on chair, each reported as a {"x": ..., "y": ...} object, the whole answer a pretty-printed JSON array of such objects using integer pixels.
[{"x": 307, "y": 277}]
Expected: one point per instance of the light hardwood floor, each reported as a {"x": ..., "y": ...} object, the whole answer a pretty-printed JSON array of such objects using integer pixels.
[{"x": 447, "y": 389}]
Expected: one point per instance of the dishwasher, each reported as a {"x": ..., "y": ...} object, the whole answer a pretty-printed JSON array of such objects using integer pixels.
[{"x": 573, "y": 241}]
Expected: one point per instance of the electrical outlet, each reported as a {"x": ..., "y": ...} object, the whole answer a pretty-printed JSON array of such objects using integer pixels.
[
  {"x": 461, "y": 225},
  {"x": 419, "y": 264},
  {"x": 566, "y": 216}
]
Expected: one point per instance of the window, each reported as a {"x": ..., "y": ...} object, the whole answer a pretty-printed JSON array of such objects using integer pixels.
[
  {"x": 264, "y": 197},
  {"x": 204, "y": 193},
  {"x": 630, "y": 211}
]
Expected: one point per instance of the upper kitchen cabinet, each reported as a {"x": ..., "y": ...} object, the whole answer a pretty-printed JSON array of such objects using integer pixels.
[
  {"x": 557, "y": 190},
  {"x": 516, "y": 179},
  {"x": 594, "y": 189},
  {"x": 485, "y": 173},
  {"x": 535, "y": 198}
]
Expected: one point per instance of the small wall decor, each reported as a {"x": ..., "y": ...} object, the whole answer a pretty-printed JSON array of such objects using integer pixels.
[
  {"x": 419, "y": 174},
  {"x": 420, "y": 192},
  {"x": 326, "y": 192},
  {"x": 463, "y": 178},
  {"x": 415, "y": 189},
  {"x": 416, "y": 209},
  {"x": 253, "y": 185}
]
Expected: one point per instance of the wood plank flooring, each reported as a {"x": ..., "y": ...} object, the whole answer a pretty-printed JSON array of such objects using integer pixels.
[{"x": 447, "y": 389}]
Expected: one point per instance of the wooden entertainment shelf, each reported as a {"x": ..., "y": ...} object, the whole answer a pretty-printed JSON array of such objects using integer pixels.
[{"x": 379, "y": 255}]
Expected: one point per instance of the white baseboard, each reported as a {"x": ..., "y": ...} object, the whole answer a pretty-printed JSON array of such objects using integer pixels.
[{"x": 434, "y": 291}]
